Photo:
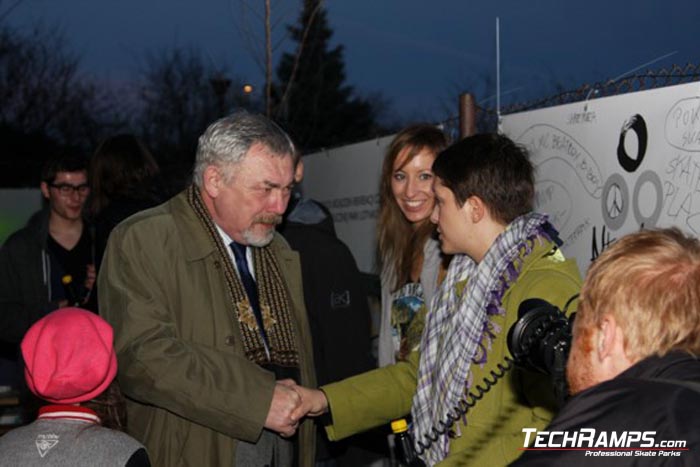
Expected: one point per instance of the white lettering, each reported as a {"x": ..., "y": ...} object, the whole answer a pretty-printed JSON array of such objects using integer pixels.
[
  {"x": 602, "y": 441},
  {"x": 586, "y": 435},
  {"x": 540, "y": 439},
  {"x": 618, "y": 441},
  {"x": 527, "y": 432},
  {"x": 552, "y": 434},
  {"x": 648, "y": 436},
  {"x": 569, "y": 439},
  {"x": 633, "y": 437}
]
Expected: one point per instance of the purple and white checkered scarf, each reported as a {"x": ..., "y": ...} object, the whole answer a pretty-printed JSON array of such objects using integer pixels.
[{"x": 458, "y": 327}]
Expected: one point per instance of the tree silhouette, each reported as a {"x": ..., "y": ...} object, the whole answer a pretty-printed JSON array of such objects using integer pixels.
[
  {"x": 181, "y": 94},
  {"x": 310, "y": 98},
  {"x": 46, "y": 104}
]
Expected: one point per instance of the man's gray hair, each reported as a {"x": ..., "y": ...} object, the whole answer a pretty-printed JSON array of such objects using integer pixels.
[{"x": 226, "y": 141}]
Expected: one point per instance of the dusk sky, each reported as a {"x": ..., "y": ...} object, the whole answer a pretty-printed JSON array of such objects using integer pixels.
[{"x": 418, "y": 54}]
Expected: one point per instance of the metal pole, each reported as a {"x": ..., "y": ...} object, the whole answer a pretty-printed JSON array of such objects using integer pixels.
[{"x": 467, "y": 115}]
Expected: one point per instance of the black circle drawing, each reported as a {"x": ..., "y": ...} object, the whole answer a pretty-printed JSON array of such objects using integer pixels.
[
  {"x": 615, "y": 201},
  {"x": 649, "y": 221},
  {"x": 637, "y": 124}
]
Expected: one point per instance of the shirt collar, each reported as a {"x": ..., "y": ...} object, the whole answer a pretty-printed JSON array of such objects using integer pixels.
[{"x": 248, "y": 251}]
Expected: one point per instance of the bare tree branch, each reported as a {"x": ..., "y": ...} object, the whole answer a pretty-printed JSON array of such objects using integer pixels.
[
  {"x": 261, "y": 49},
  {"x": 268, "y": 62},
  {"x": 250, "y": 41},
  {"x": 297, "y": 56},
  {"x": 8, "y": 10}
]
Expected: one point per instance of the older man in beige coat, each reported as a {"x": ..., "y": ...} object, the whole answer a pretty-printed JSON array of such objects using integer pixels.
[{"x": 207, "y": 306}]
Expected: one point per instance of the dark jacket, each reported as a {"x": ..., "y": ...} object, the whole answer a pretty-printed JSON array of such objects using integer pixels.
[
  {"x": 652, "y": 395},
  {"x": 335, "y": 296},
  {"x": 25, "y": 278},
  {"x": 116, "y": 211},
  {"x": 336, "y": 301}
]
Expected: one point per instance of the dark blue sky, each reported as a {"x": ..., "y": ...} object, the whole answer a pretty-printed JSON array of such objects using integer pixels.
[{"x": 419, "y": 54}]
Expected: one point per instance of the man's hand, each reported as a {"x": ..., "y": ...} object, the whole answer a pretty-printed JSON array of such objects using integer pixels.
[
  {"x": 285, "y": 402},
  {"x": 313, "y": 402}
]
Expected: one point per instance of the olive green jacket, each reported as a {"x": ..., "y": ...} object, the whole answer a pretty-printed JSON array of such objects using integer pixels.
[
  {"x": 523, "y": 399},
  {"x": 192, "y": 392}
]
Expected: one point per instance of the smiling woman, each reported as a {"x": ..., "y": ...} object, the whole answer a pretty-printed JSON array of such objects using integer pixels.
[
  {"x": 410, "y": 256},
  {"x": 412, "y": 184}
]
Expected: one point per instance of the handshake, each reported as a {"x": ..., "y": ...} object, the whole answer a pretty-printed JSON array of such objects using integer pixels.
[{"x": 291, "y": 403}]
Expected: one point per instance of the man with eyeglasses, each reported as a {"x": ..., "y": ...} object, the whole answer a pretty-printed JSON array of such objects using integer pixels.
[{"x": 49, "y": 263}]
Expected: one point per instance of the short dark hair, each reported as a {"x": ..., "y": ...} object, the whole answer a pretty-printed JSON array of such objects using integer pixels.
[
  {"x": 63, "y": 162},
  {"x": 492, "y": 167}
]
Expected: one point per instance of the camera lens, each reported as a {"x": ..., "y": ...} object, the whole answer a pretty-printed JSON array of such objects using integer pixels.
[{"x": 540, "y": 337}]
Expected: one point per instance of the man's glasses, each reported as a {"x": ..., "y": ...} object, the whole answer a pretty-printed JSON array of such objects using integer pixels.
[{"x": 66, "y": 189}]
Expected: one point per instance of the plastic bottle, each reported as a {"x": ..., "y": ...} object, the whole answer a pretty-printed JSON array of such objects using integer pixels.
[{"x": 406, "y": 452}]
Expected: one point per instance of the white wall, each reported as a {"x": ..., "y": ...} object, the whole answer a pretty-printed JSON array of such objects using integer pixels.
[
  {"x": 600, "y": 175},
  {"x": 346, "y": 180}
]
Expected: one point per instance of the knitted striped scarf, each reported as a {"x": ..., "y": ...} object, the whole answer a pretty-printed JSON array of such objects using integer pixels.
[{"x": 273, "y": 295}]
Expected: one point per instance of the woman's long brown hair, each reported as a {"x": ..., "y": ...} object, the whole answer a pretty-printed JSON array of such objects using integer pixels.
[
  {"x": 400, "y": 244},
  {"x": 110, "y": 406}
]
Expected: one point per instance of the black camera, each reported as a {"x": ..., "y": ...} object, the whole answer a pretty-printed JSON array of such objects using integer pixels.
[{"x": 540, "y": 340}]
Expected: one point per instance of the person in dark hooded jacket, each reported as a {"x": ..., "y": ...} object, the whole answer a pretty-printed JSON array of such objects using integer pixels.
[
  {"x": 633, "y": 370},
  {"x": 336, "y": 300},
  {"x": 56, "y": 244}
]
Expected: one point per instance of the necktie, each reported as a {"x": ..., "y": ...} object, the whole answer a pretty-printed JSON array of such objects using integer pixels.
[{"x": 251, "y": 289}]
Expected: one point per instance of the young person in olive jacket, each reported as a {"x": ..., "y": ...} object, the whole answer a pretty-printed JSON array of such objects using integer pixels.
[{"x": 503, "y": 254}]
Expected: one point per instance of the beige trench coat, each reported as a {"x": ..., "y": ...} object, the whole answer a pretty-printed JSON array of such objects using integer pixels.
[{"x": 192, "y": 392}]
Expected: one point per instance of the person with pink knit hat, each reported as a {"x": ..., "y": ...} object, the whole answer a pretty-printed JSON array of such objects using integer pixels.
[{"x": 70, "y": 362}]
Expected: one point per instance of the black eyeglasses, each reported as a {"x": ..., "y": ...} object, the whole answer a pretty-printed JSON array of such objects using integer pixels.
[{"x": 67, "y": 189}]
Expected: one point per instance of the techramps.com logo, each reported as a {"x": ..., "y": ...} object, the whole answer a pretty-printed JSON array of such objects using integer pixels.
[{"x": 602, "y": 443}]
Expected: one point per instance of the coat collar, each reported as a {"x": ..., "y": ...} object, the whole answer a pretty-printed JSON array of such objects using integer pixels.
[
  {"x": 195, "y": 243},
  {"x": 68, "y": 412},
  {"x": 669, "y": 366}
]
